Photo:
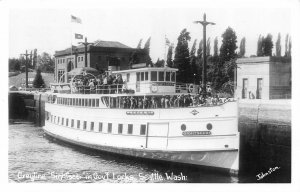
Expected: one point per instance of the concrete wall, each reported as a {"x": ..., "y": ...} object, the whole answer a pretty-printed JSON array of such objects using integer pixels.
[{"x": 265, "y": 132}]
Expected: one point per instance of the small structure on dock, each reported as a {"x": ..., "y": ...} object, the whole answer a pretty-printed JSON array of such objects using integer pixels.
[{"x": 264, "y": 78}]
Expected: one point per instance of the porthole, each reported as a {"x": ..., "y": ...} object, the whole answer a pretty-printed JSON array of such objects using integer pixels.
[
  {"x": 209, "y": 126},
  {"x": 183, "y": 127}
]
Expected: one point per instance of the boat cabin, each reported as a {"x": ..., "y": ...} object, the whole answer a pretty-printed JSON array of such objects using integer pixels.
[{"x": 149, "y": 79}]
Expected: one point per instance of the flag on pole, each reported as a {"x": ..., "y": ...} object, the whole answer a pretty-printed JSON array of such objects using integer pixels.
[
  {"x": 167, "y": 41},
  {"x": 75, "y": 19},
  {"x": 78, "y": 36}
]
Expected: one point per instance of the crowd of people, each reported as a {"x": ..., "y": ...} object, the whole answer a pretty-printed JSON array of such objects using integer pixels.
[
  {"x": 167, "y": 101},
  {"x": 102, "y": 84}
]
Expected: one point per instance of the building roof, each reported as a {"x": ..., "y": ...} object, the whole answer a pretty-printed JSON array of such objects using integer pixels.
[{"x": 96, "y": 44}]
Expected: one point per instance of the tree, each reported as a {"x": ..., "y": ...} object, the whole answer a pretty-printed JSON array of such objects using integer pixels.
[
  {"x": 139, "y": 46},
  {"x": 193, "y": 62},
  {"x": 288, "y": 46},
  {"x": 278, "y": 46},
  {"x": 38, "y": 81},
  {"x": 159, "y": 63},
  {"x": 216, "y": 47},
  {"x": 147, "y": 49},
  {"x": 208, "y": 47},
  {"x": 14, "y": 64},
  {"x": 45, "y": 63},
  {"x": 169, "y": 56},
  {"x": 242, "y": 47},
  {"x": 259, "y": 51},
  {"x": 182, "y": 57},
  {"x": 267, "y": 45},
  {"x": 199, "y": 60},
  {"x": 227, "y": 54}
]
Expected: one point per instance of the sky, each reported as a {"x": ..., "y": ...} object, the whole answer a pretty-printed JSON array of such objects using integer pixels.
[{"x": 50, "y": 29}]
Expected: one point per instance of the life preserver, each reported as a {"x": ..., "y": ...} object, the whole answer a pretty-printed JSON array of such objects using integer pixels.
[
  {"x": 191, "y": 88},
  {"x": 154, "y": 88}
]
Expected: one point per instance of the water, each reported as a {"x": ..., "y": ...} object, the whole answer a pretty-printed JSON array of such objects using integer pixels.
[{"x": 36, "y": 158}]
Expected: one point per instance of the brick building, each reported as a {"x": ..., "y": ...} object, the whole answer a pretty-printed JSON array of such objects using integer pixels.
[
  {"x": 264, "y": 78},
  {"x": 101, "y": 55}
]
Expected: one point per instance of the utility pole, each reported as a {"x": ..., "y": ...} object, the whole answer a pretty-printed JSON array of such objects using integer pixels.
[
  {"x": 26, "y": 68},
  {"x": 85, "y": 43},
  {"x": 204, "y": 23}
]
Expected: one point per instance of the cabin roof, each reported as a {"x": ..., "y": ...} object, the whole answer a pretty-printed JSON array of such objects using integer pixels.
[{"x": 147, "y": 69}]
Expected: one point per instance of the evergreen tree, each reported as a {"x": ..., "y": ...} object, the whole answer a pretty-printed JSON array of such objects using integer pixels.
[
  {"x": 267, "y": 45},
  {"x": 199, "y": 60},
  {"x": 169, "y": 56},
  {"x": 216, "y": 47},
  {"x": 208, "y": 47},
  {"x": 182, "y": 58},
  {"x": 242, "y": 47},
  {"x": 227, "y": 54},
  {"x": 259, "y": 51},
  {"x": 290, "y": 48},
  {"x": 193, "y": 62},
  {"x": 46, "y": 63},
  {"x": 139, "y": 46},
  {"x": 147, "y": 49},
  {"x": 38, "y": 81},
  {"x": 159, "y": 63},
  {"x": 278, "y": 46},
  {"x": 286, "y": 45}
]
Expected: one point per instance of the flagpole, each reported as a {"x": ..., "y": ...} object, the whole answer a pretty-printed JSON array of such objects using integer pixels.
[{"x": 165, "y": 50}]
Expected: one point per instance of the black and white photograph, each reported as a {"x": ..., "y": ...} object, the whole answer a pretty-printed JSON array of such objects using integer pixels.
[{"x": 148, "y": 93}]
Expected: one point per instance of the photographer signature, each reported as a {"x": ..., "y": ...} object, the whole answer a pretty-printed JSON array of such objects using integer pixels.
[{"x": 261, "y": 175}]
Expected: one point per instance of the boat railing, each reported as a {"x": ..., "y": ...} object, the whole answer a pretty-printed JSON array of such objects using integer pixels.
[{"x": 100, "y": 89}]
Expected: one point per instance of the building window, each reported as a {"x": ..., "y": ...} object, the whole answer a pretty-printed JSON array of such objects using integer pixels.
[
  {"x": 146, "y": 76},
  {"x": 100, "y": 127},
  {"x": 168, "y": 76},
  {"x": 84, "y": 125},
  {"x": 130, "y": 128},
  {"x": 60, "y": 74},
  {"x": 97, "y": 102},
  {"x": 143, "y": 130},
  {"x": 153, "y": 76},
  {"x": 161, "y": 76},
  {"x": 109, "y": 128},
  {"x": 92, "y": 126},
  {"x": 173, "y": 75},
  {"x": 245, "y": 88},
  {"x": 142, "y": 76},
  {"x": 78, "y": 124},
  {"x": 127, "y": 77},
  {"x": 138, "y": 74},
  {"x": 72, "y": 123},
  {"x": 120, "y": 128}
]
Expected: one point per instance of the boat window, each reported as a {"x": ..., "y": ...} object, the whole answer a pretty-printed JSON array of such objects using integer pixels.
[
  {"x": 142, "y": 76},
  {"x": 130, "y": 128},
  {"x": 62, "y": 121},
  {"x": 109, "y": 129},
  {"x": 120, "y": 128},
  {"x": 128, "y": 77},
  {"x": 73, "y": 101},
  {"x": 67, "y": 122},
  {"x": 90, "y": 102},
  {"x": 146, "y": 76},
  {"x": 72, "y": 123},
  {"x": 97, "y": 102},
  {"x": 93, "y": 102},
  {"x": 78, "y": 124},
  {"x": 168, "y": 76},
  {"x": 86, "y": 102},
  {"x": 79, "y": 102},
  {"x": 153, "y": 75},
  {"x": 57, "y": 120},
  {"x": 143, "y": 130},
  {"x": 100, "y": 127},
  {"x": 138, "y": 76},
  {"x": 173, "y": 74},
  {"x": 92, "y": 126},
  {"x": 84, "y": 125},
  {"x": 51, "y": 118},
  {"x": 160, "y": 76}
]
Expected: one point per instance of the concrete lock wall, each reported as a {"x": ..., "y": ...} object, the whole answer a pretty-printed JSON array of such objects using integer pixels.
[{"x": 265, "y": 132}]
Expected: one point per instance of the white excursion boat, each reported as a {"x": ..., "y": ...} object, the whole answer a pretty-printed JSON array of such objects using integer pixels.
[{"x": 148, "y": 116}]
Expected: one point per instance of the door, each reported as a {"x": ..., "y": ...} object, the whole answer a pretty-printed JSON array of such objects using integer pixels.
[
  {"x": 157, "y": 135},
  {"x": 259, "y": 88},
  {"x": 245, "y": 88}
]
